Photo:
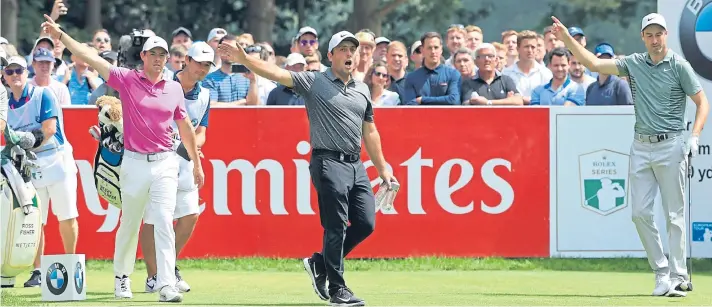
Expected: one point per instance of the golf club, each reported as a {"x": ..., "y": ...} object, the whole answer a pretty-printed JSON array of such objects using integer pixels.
[{"x": 690, "y": 173}]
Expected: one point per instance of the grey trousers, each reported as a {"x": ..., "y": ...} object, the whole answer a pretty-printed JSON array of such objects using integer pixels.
[{"x": 660, "y": 165}]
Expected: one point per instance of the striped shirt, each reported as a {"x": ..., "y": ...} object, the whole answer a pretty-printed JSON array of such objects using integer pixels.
[
  {"x": 659, "y": 91},
  {"x": 226, "y": 88}
]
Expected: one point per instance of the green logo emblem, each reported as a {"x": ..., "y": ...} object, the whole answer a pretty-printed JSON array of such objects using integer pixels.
[{"x": 603, "y": 176}]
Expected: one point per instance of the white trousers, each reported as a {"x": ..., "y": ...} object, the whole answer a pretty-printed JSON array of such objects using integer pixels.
[
  {"x": 660, "y": 166},
  {"x": 147, "y": 181},
  {"x": 187, "y": 197}
]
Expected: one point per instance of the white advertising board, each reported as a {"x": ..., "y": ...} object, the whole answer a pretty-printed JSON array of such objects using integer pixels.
[
  {"x": 588, "y": 145},
  {"x": 688, "y": 23}
]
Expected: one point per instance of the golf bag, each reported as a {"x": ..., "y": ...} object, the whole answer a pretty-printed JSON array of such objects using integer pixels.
[
  {"x": 21, "y": 218},
  {"x": 107, "y": 161}
]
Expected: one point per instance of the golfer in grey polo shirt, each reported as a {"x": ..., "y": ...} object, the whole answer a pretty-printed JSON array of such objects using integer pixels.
[
  {"x": 340, "y": 115},
  {"x": 661, "y": 81}
]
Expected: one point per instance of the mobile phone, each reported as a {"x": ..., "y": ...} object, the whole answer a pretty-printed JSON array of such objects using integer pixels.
[{"x": 239, "y": 69}]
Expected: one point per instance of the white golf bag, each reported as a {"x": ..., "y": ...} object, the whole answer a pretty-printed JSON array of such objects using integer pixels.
[
  {"x": 21, "y": 221},
  {"x": 107, "y": 161}
]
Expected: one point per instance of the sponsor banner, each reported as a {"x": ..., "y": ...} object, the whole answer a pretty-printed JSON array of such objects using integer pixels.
[
  {"x": 474, "y": 183},
  {"x": 590, "y": 211},
  {"x": 689, "y": 24}
]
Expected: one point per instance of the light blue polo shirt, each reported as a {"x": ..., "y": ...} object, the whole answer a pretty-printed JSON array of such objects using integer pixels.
[{"x": 569, "y": 91}]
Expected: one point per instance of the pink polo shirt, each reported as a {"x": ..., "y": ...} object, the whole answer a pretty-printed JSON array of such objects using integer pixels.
[{"x": 148, "y": 109}]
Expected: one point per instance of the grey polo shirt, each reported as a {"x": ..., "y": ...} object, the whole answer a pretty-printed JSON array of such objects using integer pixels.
[
  {"x": 336, "y": 111},
  {"x": 659, "y": 91},
  {"x": 498, "y": 89},
  {"x": 613, "y": 91}
]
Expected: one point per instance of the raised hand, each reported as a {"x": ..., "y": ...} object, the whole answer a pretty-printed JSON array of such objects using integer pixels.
[
  {"x": 58, "y": 9},
  {"x": 51, "y": 28},
  {"x": 234, "y": 53},
  {"x": 558, "y": 29}
]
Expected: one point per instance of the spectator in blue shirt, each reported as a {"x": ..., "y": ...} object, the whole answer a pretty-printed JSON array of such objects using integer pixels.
[
  {"x": 227, "y": 88},
  {"x": 608, "y": 89},
  {"x": 561, "y": 90},
  {"x": 434, "y": 83}
]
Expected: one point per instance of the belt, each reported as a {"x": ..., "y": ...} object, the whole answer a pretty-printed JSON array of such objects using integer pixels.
[
  {"x": 655, "y": 138},
  {"x": 152, "y": 157},
  {"x": 337, "y": 155}
]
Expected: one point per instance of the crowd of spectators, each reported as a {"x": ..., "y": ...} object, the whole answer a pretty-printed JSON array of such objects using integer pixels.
[{"x": 456, "y": 67}]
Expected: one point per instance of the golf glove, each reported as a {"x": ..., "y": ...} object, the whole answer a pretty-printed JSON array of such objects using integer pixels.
[{"x": 692, "y": 145}]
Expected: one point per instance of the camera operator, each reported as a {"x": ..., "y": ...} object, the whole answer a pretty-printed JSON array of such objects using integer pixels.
[{"x": 149, "y": 170}]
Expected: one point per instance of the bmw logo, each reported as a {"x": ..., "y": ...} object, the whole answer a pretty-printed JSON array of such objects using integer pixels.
[
  {"x": 79, "y": 278},
  {"x": 57, "y": 278},
  {"x": 696, "y": 36}
]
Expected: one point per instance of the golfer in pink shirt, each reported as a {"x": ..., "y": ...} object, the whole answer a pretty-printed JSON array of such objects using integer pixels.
[{"x": 149, "y": 170}]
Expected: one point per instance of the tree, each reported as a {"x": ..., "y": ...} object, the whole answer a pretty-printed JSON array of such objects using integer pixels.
[
  {"x": 369, "y": 14},
  {"x": 8, "y": 24},
  {"x": 261, "y": 15}
]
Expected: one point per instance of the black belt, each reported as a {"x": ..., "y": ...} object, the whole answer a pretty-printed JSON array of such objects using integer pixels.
[{"x": 337, "y": 155}]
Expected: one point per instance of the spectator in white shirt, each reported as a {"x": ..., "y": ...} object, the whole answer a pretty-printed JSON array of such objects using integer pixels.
[
  {"x": 455, "y": 39},
  {"x": 577, "y": 73},
  {"x": 510, "y": 39},
  {"x": 377, "y": 80},
  {"x": 43, "y": 62},
  {"x": 260, "y": 87},
  {"x": 527, "y": 72},
  {"x": 213, "y": 40}
]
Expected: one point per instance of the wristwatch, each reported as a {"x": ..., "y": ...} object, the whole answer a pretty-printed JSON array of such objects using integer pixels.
[{"x": 489, "y": 102}]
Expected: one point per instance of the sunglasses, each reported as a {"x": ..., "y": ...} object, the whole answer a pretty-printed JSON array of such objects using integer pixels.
[
  {"x": 313, "y": 70},
  {"x": 253, "y": 49},
  {"x": 10, "y": 72},
  {"x": 308, "y": 42},
  {"x": 380, "y": 74},
  {"x": 102, "y": 40},
  {"x": 418, "y": 50}
]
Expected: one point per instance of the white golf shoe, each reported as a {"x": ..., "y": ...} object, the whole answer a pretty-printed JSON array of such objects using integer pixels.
[
  {"x": 170, "y": 294},
  {"x": 151, "y": 284},
  {"x": 662, "y": 284},
  {"x": 122, "y": 287},
  {"x": 181, "y": 284}
]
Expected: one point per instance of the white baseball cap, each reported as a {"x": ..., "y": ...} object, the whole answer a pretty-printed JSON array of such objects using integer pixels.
[
  {"x": 305, "y": 30},
  {"x": 3, "y": 41},
  {"x": 337, "y": 38},
  {"x": 653, "y": 19},
  {"x": 155, "y": 41},
  {"x": 17, "y": 60},
  {"x": 216, "y": 32},
  {"x": 295, "y": 58},
  {"x": 43, "y": 38},
  {"x": 415, "y": 46},
  {"x": 382, "y": 40},
  {"x": 202, "y": 52}
]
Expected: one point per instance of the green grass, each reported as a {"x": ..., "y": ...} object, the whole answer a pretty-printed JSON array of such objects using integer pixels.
[{"x": 399, "y": 282}]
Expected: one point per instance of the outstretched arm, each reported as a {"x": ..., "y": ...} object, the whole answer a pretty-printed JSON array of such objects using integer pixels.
[
  {"x": 255, "y": 65},
  {"x": 588, "y": 59},
  {"x": 78, "y": 49}
]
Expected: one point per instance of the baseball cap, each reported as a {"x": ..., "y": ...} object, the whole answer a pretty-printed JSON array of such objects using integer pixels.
[
  {"x": 43, "y": 55},
  {"x": 155, "y": 41},
  {"x": 573, "y": 31},
  {"x": 18, "y": 60},
  {"x": 382, "y": 40},
  {"x": 109, "y": 55},
  {"x": 3, "y": 57},
  {"x": 305, "y": 30},
  {"x": 44, "y": 38},
  {"x": 202, "y": 52},
  {"x": 604, "y": 48},
  {"x": 3, "y": 41},
  {"x": 181, "y": 30},
  {"x": 337, "y": 38},
  {"x": 415, "y": 46},
  {"x": 653, "y": 19},
  {"x": 216, "y": 33},
  {"x": 295, "y": 58}
]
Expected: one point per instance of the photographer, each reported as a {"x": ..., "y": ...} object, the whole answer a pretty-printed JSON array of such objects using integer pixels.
[{"x": 149, "y": 170}]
